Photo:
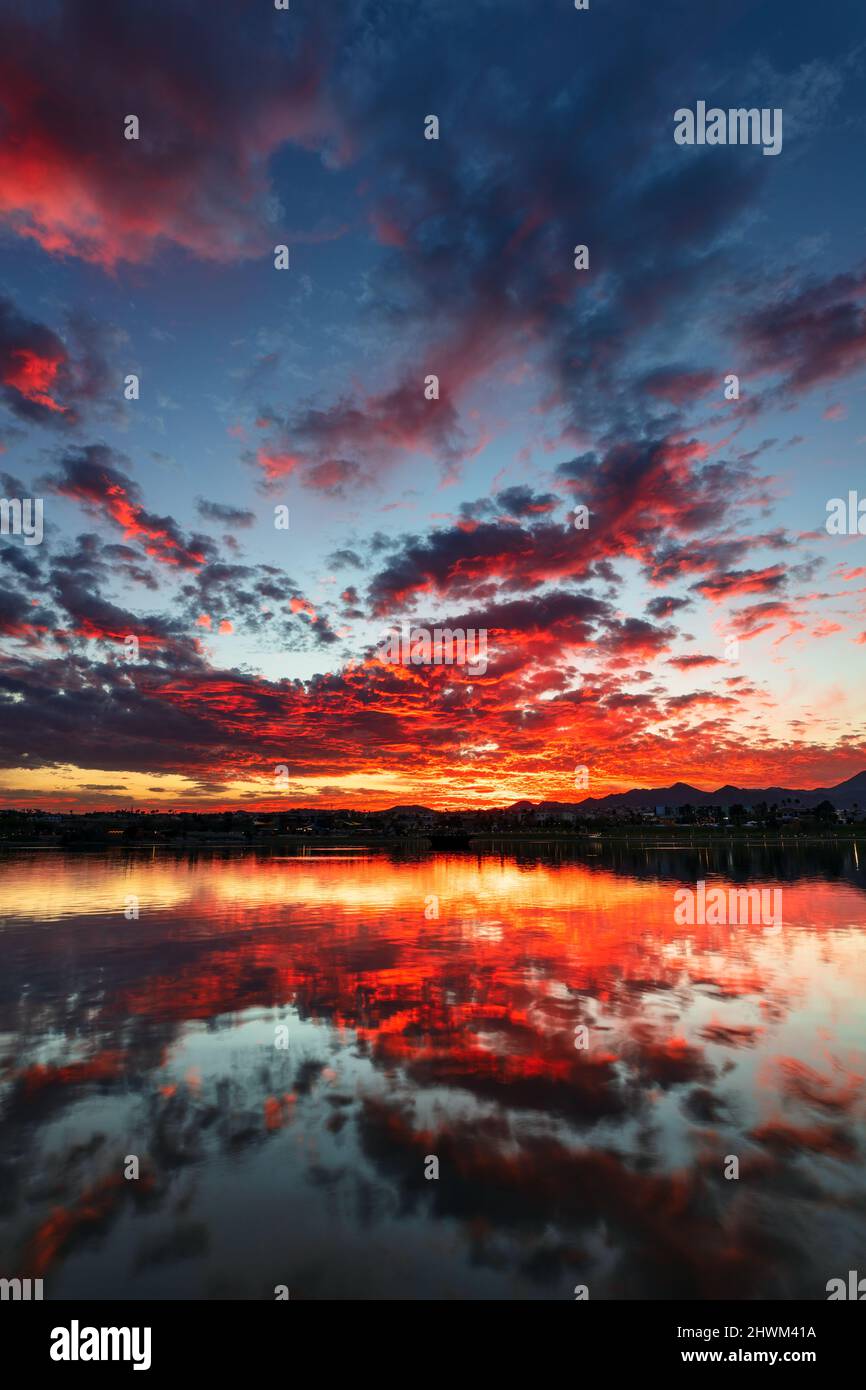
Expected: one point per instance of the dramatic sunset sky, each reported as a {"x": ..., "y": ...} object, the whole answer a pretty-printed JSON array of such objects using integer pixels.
[{"x": 305, "y": 387}]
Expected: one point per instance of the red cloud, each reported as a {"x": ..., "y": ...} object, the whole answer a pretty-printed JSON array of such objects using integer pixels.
[
  {"x": 302, "y": 605},
  {"x": 197, "y": 176},
  {"x": 724, "y": 586},
  {"x": 346, "y": 442},
  {"x": 91, "y": 477},
  {"x": 33, "y": 376}
]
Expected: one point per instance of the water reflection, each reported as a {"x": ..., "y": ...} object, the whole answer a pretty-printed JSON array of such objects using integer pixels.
[{"x": 411, "y": 1034}]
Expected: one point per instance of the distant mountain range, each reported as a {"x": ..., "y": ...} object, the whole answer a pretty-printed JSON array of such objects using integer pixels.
[{"x": 844, "y": 796}]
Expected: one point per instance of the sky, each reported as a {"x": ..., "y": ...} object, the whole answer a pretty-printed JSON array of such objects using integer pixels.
[{"x": 702, "y": 626}]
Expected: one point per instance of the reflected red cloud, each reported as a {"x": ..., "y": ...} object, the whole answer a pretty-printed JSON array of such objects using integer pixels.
[
  {"x": 821, "y": 1139},
  {"x": 479, "y": 1010},
  {"x": 91, "y": 1213},
  {"x": 39, "y": 1078},
  {"x": 839, "y": 1091}
]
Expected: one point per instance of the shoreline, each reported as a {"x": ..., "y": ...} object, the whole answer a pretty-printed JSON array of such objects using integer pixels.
[{"x": 664, "y": 838}]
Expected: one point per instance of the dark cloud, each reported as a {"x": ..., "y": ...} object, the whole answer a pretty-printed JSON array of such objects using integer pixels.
[
  {"x": 49, "y": 379},
  {"x": 810, "y": 334},
  {"x": 522, "y": 501},
  {"x": 215, "y": 97},
  {"x": 94, "y": 476},
  {"x": 225, "y": 515}
]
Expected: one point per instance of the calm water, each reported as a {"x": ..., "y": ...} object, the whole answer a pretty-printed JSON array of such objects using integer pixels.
[{"x": 412, "y": 1036}]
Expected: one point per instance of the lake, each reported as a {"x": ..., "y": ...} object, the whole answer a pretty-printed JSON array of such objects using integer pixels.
[{"x": 286, "y": 1048}]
